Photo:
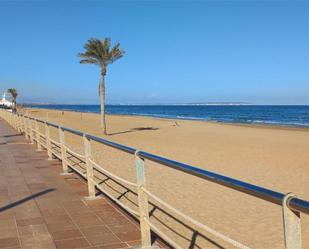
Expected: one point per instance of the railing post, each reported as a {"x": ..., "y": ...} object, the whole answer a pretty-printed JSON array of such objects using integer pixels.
[
  {"x": 30, "y": 131},
  {"x": 20, "y": 128},
  {"x": 14, "y": 121},
  {"x": 20, "y": 120},
  {"x": 10, "y": 119},
  {"x": 38, "y": 136},
  {"x": 17, "y": 122},
  {"x": 89, "y": 168},
  {"x": 142, "y": 202},
  {"x": 291, "y": 223},
  {"x": 23, "y": 125},
  {"x": 65, "y": 168},
  {"x": 26, "y": 127},
  {"x": 48, "y": 143}
]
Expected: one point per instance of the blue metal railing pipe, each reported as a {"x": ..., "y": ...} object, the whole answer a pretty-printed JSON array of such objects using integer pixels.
[
  {"x": 262, "y": 193},
  {"x": 111, "y": 144},
  {"x": 79, "y": 133}
]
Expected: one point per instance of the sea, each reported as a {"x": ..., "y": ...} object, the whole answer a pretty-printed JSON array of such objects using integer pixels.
[{"x": 282, "y": 115}]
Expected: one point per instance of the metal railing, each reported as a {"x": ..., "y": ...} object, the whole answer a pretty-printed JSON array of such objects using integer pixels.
[{"x": 291, "y": 205}]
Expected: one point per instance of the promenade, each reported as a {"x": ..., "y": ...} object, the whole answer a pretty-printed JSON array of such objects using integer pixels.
[{"x": 39, "y": 208}]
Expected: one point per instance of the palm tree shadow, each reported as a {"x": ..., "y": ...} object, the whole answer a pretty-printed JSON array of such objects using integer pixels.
[{"x": 134, "y": 130}]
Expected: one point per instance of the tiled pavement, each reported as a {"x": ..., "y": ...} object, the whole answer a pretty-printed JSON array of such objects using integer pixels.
[{"x": 41, "y": 209}]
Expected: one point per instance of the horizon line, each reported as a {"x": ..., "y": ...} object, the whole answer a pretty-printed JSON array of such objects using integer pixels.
[{"x": 164, "y": 104}]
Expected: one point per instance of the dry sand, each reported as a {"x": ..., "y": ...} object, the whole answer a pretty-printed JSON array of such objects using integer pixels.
[{"x": 275, "y": 158}]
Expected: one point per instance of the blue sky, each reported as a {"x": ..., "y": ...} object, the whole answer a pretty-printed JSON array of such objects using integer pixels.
[{"x": 176, "y": 52}]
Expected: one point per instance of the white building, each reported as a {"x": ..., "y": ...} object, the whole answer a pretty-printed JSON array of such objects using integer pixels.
[{"x": 6, "y": 102}]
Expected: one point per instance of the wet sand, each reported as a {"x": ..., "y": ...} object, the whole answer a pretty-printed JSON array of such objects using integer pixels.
[{"x": 272, "y": 157}]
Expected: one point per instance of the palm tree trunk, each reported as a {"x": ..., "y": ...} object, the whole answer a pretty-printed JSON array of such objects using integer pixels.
[{"x": 102, "y": 100}]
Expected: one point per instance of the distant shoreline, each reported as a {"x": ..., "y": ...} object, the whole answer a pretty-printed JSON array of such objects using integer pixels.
[
  {"x": 172, "y": 119},
  {"x": 165, "y": 104}
]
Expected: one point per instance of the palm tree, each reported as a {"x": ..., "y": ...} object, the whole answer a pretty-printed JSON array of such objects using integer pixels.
[
  {"x": 14, "y": 94},
  {"x": 100, "y": 53}
]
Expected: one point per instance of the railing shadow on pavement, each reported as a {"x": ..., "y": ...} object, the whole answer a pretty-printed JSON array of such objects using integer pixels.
[
  {"x": 13, "y": 135},
  {"x": 28, "y": 198}
]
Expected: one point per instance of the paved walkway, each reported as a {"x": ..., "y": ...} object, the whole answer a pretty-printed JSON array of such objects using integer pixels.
[{"x": 41, "y": 209}]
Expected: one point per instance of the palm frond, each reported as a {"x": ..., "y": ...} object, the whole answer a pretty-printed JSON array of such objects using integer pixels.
[
  {"x": 85, "y": 59},
  {"x": 99, "y": 52},
  {"x": 116, "y": 53},
  {"x": 13, "y": 92}
]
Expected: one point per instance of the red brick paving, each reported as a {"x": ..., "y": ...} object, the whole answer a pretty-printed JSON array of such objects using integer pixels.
[{"x": 41, "y": 209}]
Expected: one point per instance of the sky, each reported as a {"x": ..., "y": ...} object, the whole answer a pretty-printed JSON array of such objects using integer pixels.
[{"x": 176, "y": 51}]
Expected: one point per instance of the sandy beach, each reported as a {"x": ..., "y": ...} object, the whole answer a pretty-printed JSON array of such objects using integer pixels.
[{"x": 271, "y": 157}]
